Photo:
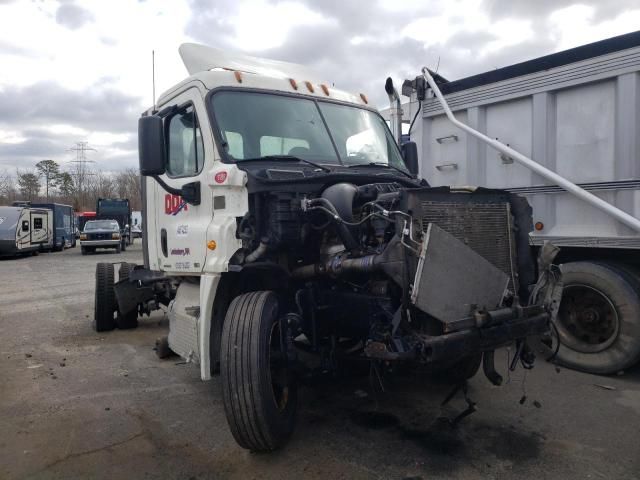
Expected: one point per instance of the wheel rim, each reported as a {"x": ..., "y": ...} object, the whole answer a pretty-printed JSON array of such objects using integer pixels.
[
  {"x": 587, "y": 320},
  {"x": 278, "y": 370}
]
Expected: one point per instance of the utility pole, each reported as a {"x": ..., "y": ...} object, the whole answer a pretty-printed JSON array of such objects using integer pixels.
[{"x": 81, "y": 149}]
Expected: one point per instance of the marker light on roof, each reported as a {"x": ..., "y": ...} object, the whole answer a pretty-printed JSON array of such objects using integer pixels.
[
  {"x": 293, "y": 83},
  {"x": 238, "y": 76},
  {"x": 325, "y": 89},
  {"x": 309, "y": 86},
  {"x": 364, "y": 98}
]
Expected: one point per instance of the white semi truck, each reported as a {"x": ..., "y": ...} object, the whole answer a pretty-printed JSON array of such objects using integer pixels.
[
  {"x": 577, "y": 113},
  {"x": 283, "y": 222}
]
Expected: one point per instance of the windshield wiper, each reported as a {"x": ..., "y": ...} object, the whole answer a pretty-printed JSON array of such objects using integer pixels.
[
  {"x": 287, "y": 158},
  {"x": 380, "y": 164}
]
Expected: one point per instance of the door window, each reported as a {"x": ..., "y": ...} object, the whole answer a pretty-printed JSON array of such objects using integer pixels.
[
  {"x": 25, "y": 225},
  {"x": 185, "y": 145},
  {"x": 37, "y": 223}
]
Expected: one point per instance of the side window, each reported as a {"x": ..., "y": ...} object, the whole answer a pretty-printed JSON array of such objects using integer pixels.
[
  {"x": 37, "y": 223},
  {"x": 282, "y": 146},
  {"x": 185, "y": 145}
]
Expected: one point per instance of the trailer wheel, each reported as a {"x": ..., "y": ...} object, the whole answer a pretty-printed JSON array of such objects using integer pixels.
[
  {"x": 598, "y": 322},
  {"x": 128, "y": 320},
  {"x": 460, "y": 371},
  {"x": 105, "y": 301},
  {"x": 259, "y": 392}
]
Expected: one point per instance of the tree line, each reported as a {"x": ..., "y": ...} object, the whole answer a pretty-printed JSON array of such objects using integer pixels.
[{"x": 81, "y": 188}]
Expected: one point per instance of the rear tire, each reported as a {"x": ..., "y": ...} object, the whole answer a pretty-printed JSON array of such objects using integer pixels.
[
  {"x": 259, "y": 393},
  {"x": 128, "y": 320},
  {"x": 599, "y": 318},
  {"x": 105, "y": 301}
]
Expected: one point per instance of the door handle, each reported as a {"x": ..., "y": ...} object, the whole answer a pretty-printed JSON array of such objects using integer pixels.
[
  {"x": 452, "y": 166},
  {"x": 163, "y": 242}
]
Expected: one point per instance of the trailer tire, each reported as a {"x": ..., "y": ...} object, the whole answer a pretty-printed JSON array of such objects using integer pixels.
[
  {"x": 462, "y": 370},
  {"x": 599, "y": 318},
  {"x": 105, "y": 301},
  {"x": 261, "y": 412},
  {"x": 128, "y": 320}
]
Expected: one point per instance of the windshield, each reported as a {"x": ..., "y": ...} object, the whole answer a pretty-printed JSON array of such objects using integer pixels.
[
  {"x": 101, "y": 225},
  {"x": 256, "y": 125}
]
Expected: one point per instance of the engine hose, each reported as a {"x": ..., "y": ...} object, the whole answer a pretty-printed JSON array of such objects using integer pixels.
[{"x": 489, "y": 368}]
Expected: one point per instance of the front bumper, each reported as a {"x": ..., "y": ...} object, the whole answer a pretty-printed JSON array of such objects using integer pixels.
[
  {"x": 471, "y": 336},
  {"x": 100, "y": 243}
]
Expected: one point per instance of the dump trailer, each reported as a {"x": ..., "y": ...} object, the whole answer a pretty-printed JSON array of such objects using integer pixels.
[
  {"x": 289, "y": 235},
  {"x": 64, "y": 225},
  {"x": 575, "y": 113},
  {"x": 25, "y": 229},
  {"x": 117, "y": 209}
]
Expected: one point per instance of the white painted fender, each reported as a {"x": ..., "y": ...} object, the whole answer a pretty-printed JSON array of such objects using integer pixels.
[{"x": 208, "y": 287}]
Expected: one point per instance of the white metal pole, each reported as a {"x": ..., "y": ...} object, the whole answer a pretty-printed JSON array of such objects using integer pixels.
[{"x": 571, "y": 187}]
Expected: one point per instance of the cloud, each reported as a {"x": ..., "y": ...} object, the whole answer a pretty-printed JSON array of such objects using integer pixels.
[
  {"x": 73, "y": 16},
  {"x": 48, "y": 119}
]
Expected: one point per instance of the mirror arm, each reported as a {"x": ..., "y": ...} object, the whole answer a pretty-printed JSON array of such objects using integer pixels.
[
  {"x": 190, "y": 192},
  {"x": 171, "y": 190}
]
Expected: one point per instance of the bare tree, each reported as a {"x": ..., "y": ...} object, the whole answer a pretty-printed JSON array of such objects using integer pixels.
[{"x": 128, "y": 186}]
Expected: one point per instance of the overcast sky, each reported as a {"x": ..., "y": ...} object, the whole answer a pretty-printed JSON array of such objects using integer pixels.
[{"x": 81, "y": 71}]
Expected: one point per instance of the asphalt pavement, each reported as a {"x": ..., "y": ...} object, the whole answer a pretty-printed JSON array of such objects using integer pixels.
[{"x": 79, "y": 404}]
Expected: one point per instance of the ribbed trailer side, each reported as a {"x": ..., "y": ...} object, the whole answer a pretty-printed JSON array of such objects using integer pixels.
[{"x": 577, "y": 114}]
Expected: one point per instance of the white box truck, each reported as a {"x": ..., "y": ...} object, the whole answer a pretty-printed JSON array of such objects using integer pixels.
[{"x": 576, "y": 113}]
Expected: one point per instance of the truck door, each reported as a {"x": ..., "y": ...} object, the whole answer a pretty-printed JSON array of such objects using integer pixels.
[
  {"x": 39, "y": 228},
  {"x": 178, "y": 241}
]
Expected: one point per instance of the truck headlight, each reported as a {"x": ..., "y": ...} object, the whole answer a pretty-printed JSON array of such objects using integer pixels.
[
  {"x": 115, "y": 236},
  {"x": 83, "y": 236}
]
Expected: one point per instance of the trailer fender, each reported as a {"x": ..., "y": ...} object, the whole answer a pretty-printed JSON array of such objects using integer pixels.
[{"x": 208, "y": 287}]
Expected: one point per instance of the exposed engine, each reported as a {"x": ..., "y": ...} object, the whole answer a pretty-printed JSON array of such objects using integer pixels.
[{"x": 399, "y": 270}]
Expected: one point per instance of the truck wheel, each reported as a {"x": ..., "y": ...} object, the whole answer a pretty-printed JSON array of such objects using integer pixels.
[
  {"x": 83, "y": 250},
  {"x": 259, "y": 392},
  {"x": 105, "y": 301},
  {"x": 128, "y": 320},
  {"x": 598, "y": 322},
  {"x": 124, "y": 245},
  {"x": 460, "y": 371}
]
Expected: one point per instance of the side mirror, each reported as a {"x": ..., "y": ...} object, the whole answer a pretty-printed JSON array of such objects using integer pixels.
[
  {"x": 151, "y": 149},
  {"x": 410, "y": 156}
]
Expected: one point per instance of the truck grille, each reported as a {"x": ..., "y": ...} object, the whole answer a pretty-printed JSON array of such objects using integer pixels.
[{"x": 484, "y": 227}]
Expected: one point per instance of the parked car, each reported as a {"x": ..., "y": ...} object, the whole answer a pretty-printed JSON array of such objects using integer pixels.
[{"x": 100, "y": 234}]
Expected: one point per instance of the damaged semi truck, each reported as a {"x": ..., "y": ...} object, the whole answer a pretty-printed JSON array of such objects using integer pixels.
[{"x": 283, "y": 222}]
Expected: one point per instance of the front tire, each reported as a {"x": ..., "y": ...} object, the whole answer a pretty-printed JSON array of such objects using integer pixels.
[
  {"x": 105, "y": 300},
  {"x": 598, "y": 322},
  {"x": 259, "y": 393}
]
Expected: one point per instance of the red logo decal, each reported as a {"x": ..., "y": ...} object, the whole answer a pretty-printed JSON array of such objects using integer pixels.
[
  {"x": 174, "y": 204},
  {"x": 220, "y": 177}
]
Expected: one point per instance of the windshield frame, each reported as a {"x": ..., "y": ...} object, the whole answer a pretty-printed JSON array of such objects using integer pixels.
[
  {"x": 111, "y": 227},
  {"x": 225, "y": 158}
]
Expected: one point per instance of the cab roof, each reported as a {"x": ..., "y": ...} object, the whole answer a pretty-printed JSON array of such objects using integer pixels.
[{"x": 215, "y": 68}]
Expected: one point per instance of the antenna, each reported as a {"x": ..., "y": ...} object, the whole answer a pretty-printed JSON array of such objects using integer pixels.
[{"x": 153, "y": 77}]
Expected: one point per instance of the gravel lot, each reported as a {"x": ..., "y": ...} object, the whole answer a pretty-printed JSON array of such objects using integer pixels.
[{"x": 78, "y": 404}]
